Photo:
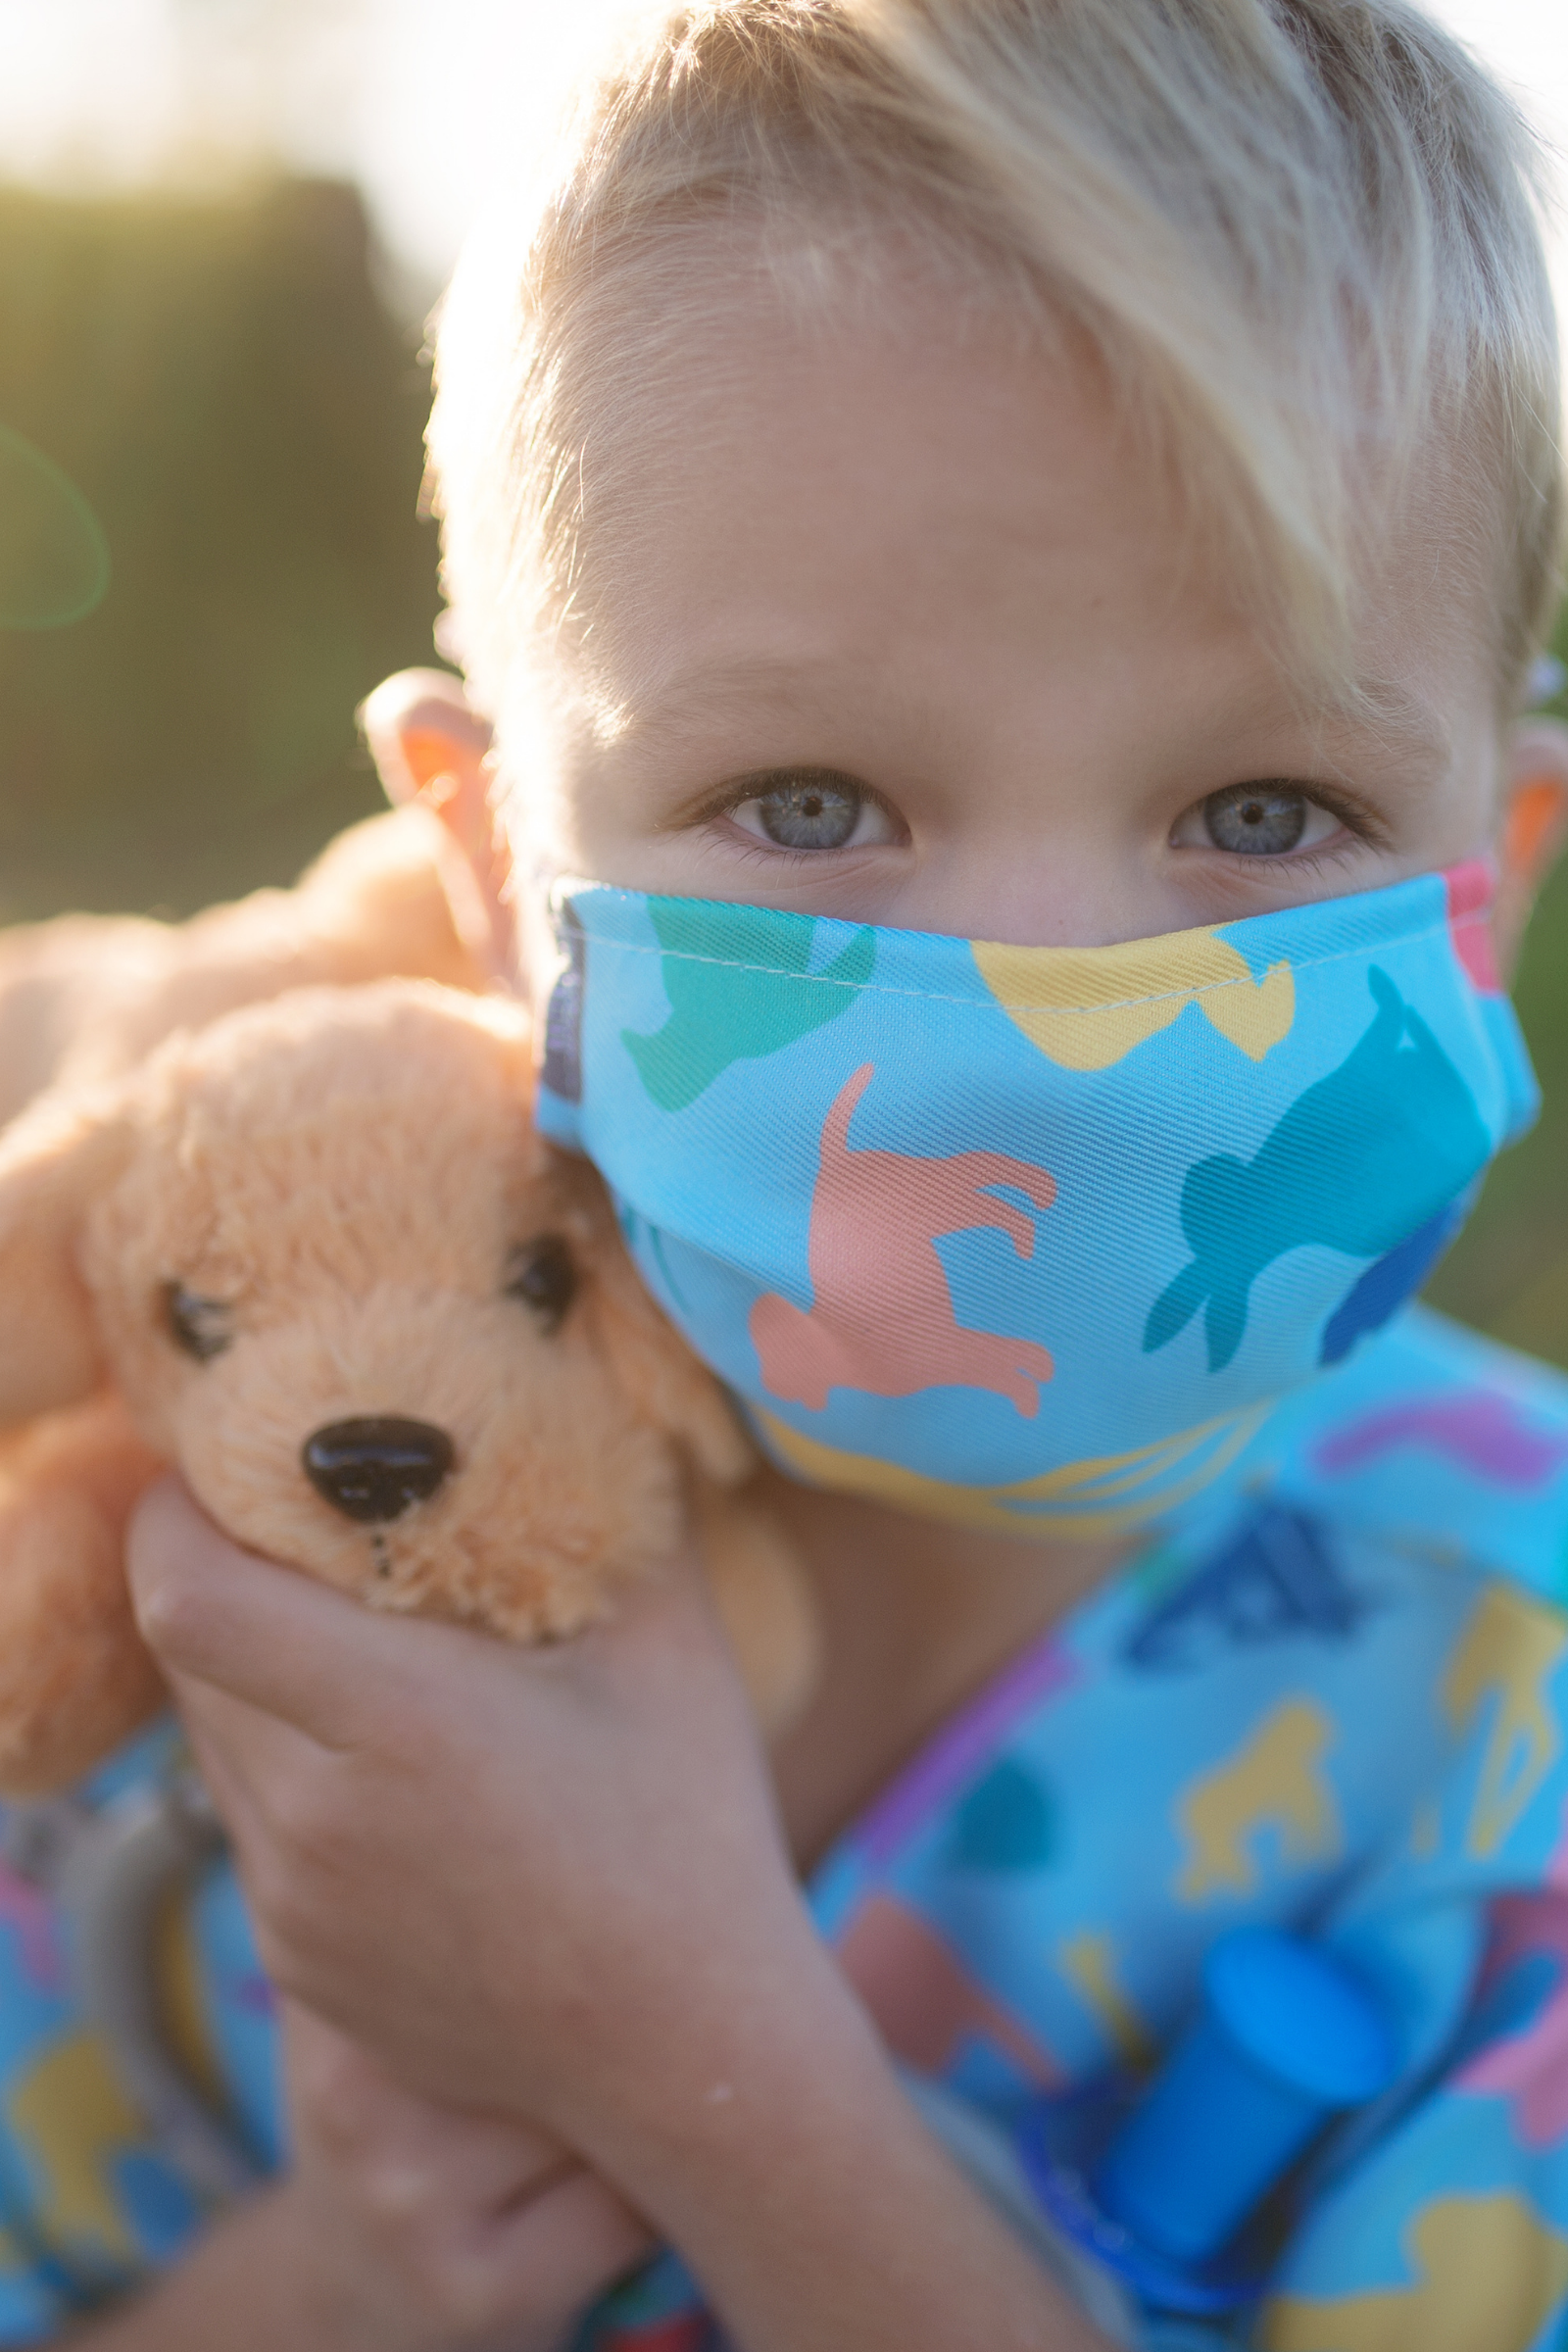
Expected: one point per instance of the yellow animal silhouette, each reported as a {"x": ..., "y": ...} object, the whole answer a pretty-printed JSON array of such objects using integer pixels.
[
  {"x": 1274, "y": 1781},
  {"x": 71, "y": 2118},
  {"x": 1086, "y": 1007},
  {"x": 1510, "y": 1647},
  {"x": 1088, "y": 1961},
  {"x": 1488, "y": 2275}
]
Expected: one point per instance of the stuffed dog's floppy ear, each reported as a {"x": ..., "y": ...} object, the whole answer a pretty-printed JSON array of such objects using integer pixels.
[
  {"x": 54, "y": 1163},
  {"x": 663, "y": 1381}
]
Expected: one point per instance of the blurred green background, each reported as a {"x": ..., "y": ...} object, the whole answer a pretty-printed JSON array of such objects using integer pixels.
[{"x": 221, "y": 380}]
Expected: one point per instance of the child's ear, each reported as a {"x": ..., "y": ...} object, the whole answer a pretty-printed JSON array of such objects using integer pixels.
[
  {"x": 430, "y": 745},
  {"x": 1534, "y": 828},
  {"x": 54, "y": 1163}
]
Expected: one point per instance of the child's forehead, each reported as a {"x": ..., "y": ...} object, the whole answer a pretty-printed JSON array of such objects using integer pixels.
[
  {"x": 1286, "y": 253},
  {"x": 784, "y": 499}
]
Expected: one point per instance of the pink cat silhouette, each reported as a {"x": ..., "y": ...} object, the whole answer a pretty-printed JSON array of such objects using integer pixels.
[{"x": 882, "y": 1318}]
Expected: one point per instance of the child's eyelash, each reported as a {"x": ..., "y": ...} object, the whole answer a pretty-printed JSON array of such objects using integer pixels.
[
  {"x": 747, "y": 850},
  {"x": 1356, "y": 816},
  {"x": 1366, "y": 828},
  {"x": 735, "y": 795},
  {"x": 1303, "y": 861}
]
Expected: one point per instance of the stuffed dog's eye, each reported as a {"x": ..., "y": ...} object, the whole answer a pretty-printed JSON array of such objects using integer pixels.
[
  {"x": 541, "y": 1273},
  {"x": 203, "y": 1327}
]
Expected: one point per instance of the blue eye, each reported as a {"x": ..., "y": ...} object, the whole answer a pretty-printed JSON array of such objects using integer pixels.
[
  {"x": 811, "y": 808},
  {"x": 1257, "y": 820},
  {"x": 809, "y": 812}
]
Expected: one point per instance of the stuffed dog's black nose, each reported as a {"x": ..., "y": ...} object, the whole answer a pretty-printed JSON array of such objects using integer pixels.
[{"x": 373, "y": 1469}]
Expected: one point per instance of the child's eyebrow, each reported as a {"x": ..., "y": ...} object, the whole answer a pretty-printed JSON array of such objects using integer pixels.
[
  {"x": 719, "y": 689},
  {"x": 1403, "y": 721}
]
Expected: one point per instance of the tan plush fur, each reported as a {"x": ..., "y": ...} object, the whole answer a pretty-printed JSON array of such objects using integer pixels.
[
  {"x": 74, "y": 1679},
  {"x": 345, "y": 1178},
  {"x": 86, "y": 997}
]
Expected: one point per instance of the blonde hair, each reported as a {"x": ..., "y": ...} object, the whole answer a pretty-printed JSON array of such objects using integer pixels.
[{"x": 1302, "y": 236}]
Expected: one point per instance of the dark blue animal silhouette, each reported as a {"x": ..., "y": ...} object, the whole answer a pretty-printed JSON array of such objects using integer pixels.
[
  {"x": 1379, "y": 1293},
  {"x": 1276, "y": 1580},
  {"x": 1358, "y": 1164}
]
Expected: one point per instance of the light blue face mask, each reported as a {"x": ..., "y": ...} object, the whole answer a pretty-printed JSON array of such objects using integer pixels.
[{"x": 1030, "y": 1237}]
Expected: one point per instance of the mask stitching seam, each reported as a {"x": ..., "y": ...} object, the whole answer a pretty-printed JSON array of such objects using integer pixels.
[{"x": 993, "y": 1004}]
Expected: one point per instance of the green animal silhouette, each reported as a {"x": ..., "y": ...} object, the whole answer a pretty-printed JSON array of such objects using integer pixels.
[
  {"x": 1357, "y": 1163},
  {"x": 739, "y": 988}
]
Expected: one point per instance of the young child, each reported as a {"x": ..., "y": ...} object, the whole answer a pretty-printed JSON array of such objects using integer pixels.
[{"x": 931, "y": 473}]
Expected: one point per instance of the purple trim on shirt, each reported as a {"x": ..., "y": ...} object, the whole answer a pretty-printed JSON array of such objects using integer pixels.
[{"x": 955, "y": 1753}]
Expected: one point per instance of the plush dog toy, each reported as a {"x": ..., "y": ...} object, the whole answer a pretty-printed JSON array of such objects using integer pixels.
[
  {"x": 87, "y": 996},
  {"x": 315, "y": 1255}
]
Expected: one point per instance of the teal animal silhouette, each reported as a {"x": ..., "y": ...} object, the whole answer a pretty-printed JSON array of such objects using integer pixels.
[
  {"x": 738, "y": 986},
  {"x": 1006, "y": 1822},
  {"x": 1357, "y": 1163}
]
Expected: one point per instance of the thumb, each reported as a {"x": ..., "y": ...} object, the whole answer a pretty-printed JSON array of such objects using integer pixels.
[{"x": 215, "y": 1613}]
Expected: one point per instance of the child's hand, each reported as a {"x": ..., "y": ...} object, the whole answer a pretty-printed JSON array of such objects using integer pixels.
[
  {"x": 401, "y": 2226},
  {"x": 549, "y": 1884},
  {"x": 533, "y": 1880},
  {"x": 442, "y": 2232}
]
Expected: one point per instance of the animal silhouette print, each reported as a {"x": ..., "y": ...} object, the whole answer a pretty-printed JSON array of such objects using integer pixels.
[
  {"x": 1376, "y": 1296},
  {"x": 1525, "y": 2062},
  {"x": 1089, "y": 1962},
  {"x": 1274, "y": 1782},
  {"x": 1486, "y": 2268},
  {"x": 882, "y": 1316},
  {"x": 74, "y": 2126},
  {"x": 739, "y": 989},
  {"x": 1278, "y": 1581},
  {"x": 1501, "y": 1673},
  {"x": 923, "y": 2000},
  {"x": 1085, "y": 1008},
  {"x": 1357, "y": 1163}
]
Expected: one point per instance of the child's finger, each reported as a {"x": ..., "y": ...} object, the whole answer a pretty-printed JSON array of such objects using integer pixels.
[
  {"x": 243, "y": 1638},
  {"x": 566, "y": 2246},
  {"x": 215, "y": 1614},
  {"x": 214, "y": 1725}
]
